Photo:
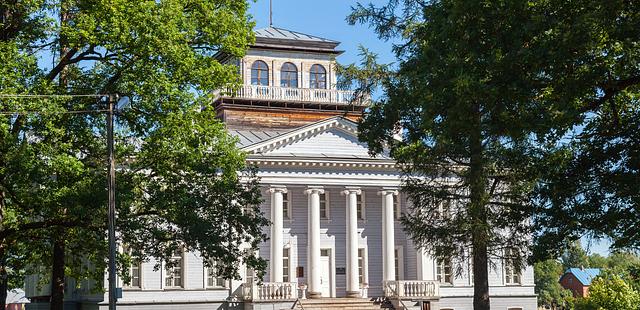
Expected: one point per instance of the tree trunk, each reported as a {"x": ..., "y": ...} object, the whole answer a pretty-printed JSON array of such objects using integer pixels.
[
  {"x": 478, "y": 212},
  {"x": 4, "y": 278},
  {"x": 57, "y": 274}
]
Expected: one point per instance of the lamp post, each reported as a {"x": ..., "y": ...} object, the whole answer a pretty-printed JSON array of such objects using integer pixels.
[
  {"x": 112, "y": 99},
  {"x": 112, "y": 205}
]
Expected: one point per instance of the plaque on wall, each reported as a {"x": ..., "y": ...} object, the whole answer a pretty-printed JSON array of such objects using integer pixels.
[
  {"x": 341, "y": 270},
  {"x": 299, "y": 272}
]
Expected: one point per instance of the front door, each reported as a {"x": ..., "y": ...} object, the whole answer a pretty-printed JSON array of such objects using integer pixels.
[{"x": 325, "y": 273}]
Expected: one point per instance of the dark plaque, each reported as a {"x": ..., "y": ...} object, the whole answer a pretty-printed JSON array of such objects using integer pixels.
[
  {"x": 299, "y": 272},
  {"x": 341, "y": 270}
]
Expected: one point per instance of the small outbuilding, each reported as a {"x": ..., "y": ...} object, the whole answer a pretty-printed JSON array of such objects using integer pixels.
[{"x": 578, "y": 280}]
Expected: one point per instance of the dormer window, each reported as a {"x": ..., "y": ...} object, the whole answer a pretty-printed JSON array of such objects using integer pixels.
[
  {"x": 259, "y": 73},
  {"x": 318, "y": 77},
  {"x": 289, "y": 75}
]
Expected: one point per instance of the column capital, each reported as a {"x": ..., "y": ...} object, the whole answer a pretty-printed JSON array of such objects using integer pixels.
[
  {"x": 388, "y": 190},
  {"x": 314, "y": 189},
  {"x": 277, "y": 188},
  {"x": 351, "y": 189}
]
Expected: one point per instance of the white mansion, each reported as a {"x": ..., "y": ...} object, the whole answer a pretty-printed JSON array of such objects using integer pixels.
[{"x": 334, "y": 209}]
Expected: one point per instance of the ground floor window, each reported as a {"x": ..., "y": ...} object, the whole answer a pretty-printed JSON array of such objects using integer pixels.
[
  {"x": 286, "y": 270},
  {"x": 443, "y": 271},
  {"x": 175, "y": 270},
  {"x": 361, "y": 266},
  {"x": 213, "y": 280}
]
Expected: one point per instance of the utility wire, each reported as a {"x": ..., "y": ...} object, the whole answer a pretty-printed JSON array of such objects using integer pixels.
[
  {"x": 52, "y": 96},
  {"x": 45, "y": 96}
]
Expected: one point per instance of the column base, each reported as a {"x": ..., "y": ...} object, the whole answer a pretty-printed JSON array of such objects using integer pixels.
[
  {"x": 314, "y": 295},
  {"x": 355, "y": 294}
]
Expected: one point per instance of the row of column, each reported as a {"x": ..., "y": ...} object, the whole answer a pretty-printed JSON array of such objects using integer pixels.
[{"x": 313, "y": 235}]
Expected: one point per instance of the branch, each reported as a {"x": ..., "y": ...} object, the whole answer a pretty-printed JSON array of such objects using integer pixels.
[{"x": 610, "y": 90}]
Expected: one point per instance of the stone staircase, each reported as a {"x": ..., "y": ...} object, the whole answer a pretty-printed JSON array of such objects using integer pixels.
[{"x": 339, "y": 304}]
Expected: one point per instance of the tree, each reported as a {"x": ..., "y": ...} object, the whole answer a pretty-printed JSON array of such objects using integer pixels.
[
  {"x": 597, "y": 261},
  {"x": 610, "y": 292},
  {"x": 464, "y": 98},
  {"x": 550, "y": 293},
  {"x": 185, "y": 183},
  {"x": 575, "y": 257}
]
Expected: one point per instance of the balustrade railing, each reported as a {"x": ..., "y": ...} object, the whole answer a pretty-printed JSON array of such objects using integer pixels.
[
  {"x": 272, "y": 291},
  {"x": 412, "y": 289},
  {"x": 259, "y": 92}
]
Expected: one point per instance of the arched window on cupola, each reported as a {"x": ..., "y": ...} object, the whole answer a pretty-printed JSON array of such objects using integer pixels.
[
  {"x": 318, "y": 77},
  {"x": 289, "y": 75},
  {"x": 259, "y": 73}
]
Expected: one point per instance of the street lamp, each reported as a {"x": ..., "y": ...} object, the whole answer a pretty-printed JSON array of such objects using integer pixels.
[{"x": 122, "y": 102}]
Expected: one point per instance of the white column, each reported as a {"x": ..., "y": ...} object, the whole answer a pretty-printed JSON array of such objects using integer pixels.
[
  {"x": 353, "y": 285},
  {"x": 276, "y": 233},
  {"x": 388, "y": 245},
  {"x": 313, "y": 246}
]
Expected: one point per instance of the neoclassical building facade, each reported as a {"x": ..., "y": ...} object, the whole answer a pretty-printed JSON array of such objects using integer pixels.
[{"x": 334, "y": 209}]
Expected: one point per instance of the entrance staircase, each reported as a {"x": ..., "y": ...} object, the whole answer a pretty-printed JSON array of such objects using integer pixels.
[{"x": 339, "y": 304}]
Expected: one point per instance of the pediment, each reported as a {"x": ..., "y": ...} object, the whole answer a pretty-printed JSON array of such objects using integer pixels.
[{"x": 331, "y": 138}]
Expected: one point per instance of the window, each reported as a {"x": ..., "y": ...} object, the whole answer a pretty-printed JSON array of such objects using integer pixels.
[
  {"x": 318, "y": 77},
  {"x": 259, "y": 73},
  {"x": 288, "y": 75},
  {"x": 286, "y": 207},
  {"x": 514, "y": 308},
  {"x": 175, "y": 272},
  {"x": 212, "y": 279},
  {"x": 443, "y": 271},
  {"x": 286, "y": 271},
  {"x": 361, "y": 266},
  {"x": 470, "y": 270},
  {"x": 360, "y": 206},
  {"x": 324, "y": 206},
  {"x": 444, "y": 210},
  {"x": 399, "y": 263},
  {"x": 135, "y": 280},
  {"x": 511, "y": 275},
  {"x": 397, "y": 207}
]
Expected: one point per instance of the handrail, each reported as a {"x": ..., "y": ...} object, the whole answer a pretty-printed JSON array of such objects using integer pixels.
[
  {"x": 312, "y": 95},
  {"x": 386, "y": 283},
  {"x": 297, "y": 302}
]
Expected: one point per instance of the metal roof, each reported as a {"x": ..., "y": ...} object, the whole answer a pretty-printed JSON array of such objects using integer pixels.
[
  {"x": 284, "y": 39},
  {"x": 250, "y": 137},
  {"x": 279, "y": 33},
  {"x": 583, "y": 275}
]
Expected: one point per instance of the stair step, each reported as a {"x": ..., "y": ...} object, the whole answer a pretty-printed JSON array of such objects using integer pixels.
[{"x": 339, "y": 304}]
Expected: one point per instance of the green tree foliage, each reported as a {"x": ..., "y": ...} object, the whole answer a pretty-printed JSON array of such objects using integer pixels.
[
  {"x": 609, "y": 292},
  {"x": 575, "y": 257},
  {"x": 550, "y": 292},
  {"x": 181, "y": 181},
  {"x": 591, "y": 185}
]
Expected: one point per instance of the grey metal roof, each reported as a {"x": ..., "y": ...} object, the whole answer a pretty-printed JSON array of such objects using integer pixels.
[
  {"x": 279, "y": 33},
  {"x": 250, "y": 137},
  {"x": 283, "y": 39}
]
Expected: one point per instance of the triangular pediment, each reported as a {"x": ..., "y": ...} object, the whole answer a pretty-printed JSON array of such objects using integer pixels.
[{"x": 331, "y": 138}]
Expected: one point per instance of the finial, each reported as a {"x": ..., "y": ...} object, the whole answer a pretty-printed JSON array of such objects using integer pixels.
[{"x": 270, "y": 13}]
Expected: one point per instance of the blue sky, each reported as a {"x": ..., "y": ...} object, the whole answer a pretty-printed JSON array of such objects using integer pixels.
[{"x": 325, "y": 19}]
